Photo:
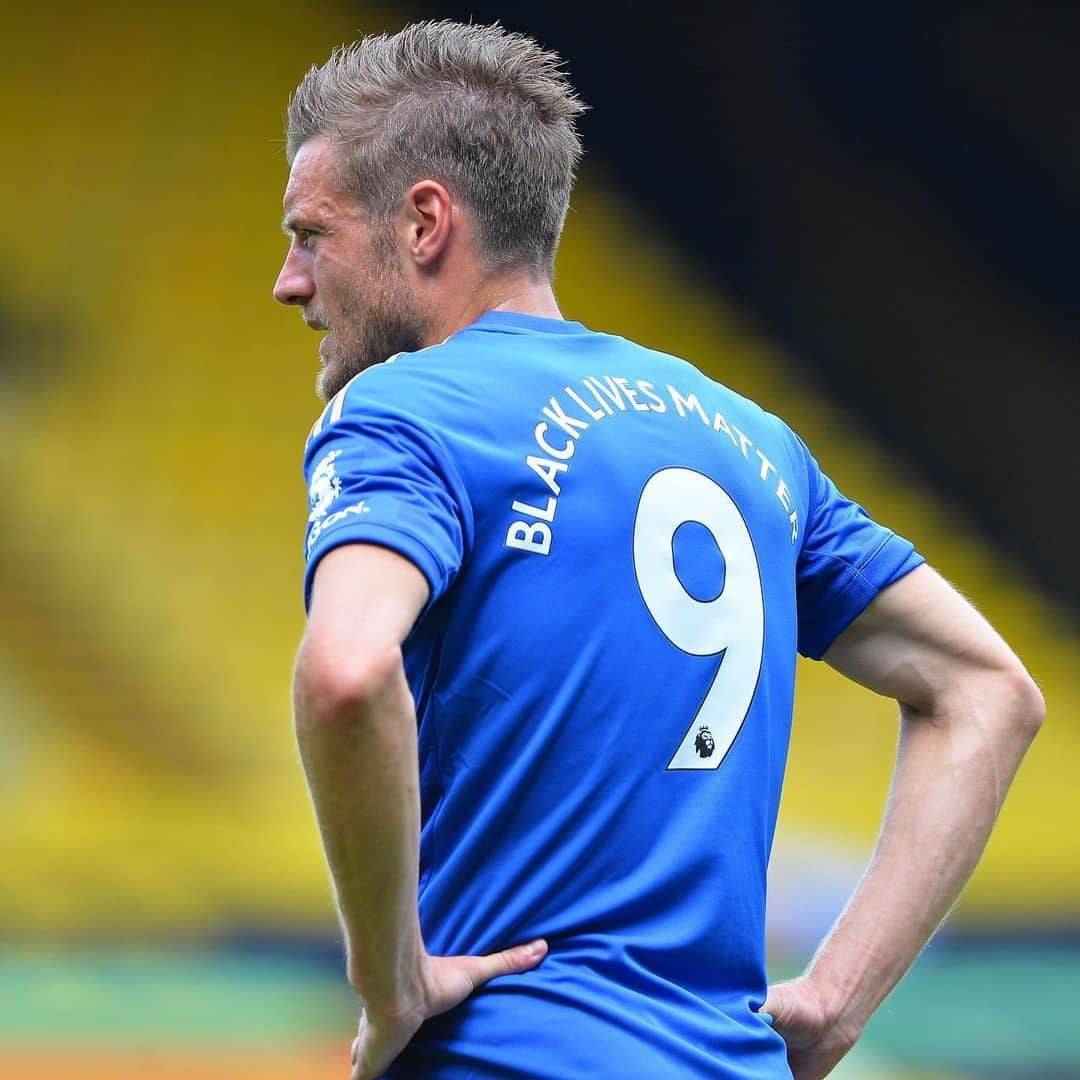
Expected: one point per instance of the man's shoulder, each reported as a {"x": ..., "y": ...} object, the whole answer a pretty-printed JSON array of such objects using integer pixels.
[
  {"x": 687, "y": 375},
  {"x": 400, "y": 386}
]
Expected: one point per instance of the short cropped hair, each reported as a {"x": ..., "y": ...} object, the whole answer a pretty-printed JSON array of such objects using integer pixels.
[{"x": 487, "y": 112}]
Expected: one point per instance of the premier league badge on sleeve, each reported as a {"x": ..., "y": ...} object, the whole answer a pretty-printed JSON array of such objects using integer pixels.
[
  {"x": 325, "y": 486},
  {"x": 323, "y": 493}
]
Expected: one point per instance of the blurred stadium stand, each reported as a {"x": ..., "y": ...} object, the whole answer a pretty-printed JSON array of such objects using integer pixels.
[{"x": 154, "y": 404}]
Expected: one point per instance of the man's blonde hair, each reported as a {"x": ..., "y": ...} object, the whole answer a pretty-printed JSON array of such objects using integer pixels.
[{"x": 487, "y": 112}]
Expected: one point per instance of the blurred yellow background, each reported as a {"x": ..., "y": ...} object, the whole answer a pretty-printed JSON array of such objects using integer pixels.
[{"x": 153, "y": 405}]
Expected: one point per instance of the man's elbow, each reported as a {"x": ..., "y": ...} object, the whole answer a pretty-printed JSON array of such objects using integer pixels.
[
  {"x": 332, "y": 686},
  {"x": 1008, "y": 705},
  {"x": 1027, "y": 708}
]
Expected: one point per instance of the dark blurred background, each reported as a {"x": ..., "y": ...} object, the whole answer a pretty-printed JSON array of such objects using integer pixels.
[{"x": 860, "y": 215}]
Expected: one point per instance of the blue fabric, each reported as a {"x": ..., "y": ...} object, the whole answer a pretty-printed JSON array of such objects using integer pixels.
[
  {"x": 624, "y": 557},
  {"x": 845, "y": 561}
]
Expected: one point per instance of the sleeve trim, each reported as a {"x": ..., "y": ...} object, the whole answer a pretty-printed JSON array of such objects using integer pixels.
[
  {"x": 404, "y": 543},
  {"x": 863, "y": 583}
]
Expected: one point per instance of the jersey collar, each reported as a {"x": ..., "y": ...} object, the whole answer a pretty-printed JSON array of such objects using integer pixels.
[{"x": 518, "y": 322}]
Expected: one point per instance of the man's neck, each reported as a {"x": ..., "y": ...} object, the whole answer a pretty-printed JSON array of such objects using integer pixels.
[{"x": 524, "y": 294}]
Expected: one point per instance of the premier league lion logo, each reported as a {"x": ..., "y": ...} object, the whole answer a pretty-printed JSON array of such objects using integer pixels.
[
  {"x": 704, "y": 744},
  {"x": 325, "y": 486}
]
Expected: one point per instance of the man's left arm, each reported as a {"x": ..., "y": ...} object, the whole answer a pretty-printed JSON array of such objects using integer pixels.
[
  {"x": 969, "y": 711},
  {"x": 356, "y": 730}
]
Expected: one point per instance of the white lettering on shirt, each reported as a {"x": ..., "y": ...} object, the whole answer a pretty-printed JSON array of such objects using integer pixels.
[{"x": 533, "y": 530}]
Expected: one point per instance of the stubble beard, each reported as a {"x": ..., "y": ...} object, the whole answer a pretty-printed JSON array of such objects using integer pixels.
[{"x": 372, "y": 327}]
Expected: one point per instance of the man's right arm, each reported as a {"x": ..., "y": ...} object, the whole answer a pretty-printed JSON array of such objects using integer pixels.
[{"x": 968, "y": 712}]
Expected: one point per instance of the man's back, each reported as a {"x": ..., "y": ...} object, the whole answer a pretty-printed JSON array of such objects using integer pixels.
[
  {"x": 547, "y": 672},
  {"x": 623, "y": 556}
]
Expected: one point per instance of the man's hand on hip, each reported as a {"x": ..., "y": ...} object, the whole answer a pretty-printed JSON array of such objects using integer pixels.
[
  {"x": 446, "y": 981},
  {"x": 815, "y": 1042}
]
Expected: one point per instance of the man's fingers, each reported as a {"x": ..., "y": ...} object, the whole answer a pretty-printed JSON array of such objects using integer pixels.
[
  {"x": 511, "y": 961},
  {"x": 454, "y": 978},
  {"x": 774, "y": 1005}
]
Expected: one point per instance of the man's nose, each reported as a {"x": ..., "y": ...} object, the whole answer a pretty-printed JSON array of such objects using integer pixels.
[{"x": 295, "y": 284}]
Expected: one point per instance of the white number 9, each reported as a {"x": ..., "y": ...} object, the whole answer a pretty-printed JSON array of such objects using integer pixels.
[{"x": 730, "y": 626}]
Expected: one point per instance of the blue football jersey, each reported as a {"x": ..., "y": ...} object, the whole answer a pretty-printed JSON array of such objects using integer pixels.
[{"x": 624, "y": 558}]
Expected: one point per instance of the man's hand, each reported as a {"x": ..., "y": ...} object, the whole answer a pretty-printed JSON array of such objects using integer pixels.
[
  {"x": 445, "y": 981},
  {"x": 799, "y": 1014}
]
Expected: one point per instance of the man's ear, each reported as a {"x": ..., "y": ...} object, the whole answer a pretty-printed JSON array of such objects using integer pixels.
[{"x": 429, "y": 215}]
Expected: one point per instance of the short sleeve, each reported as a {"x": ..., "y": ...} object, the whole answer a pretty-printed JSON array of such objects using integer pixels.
[
  {"x": 846, "y": 559},
  {"x": 376, "y": 475}
]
